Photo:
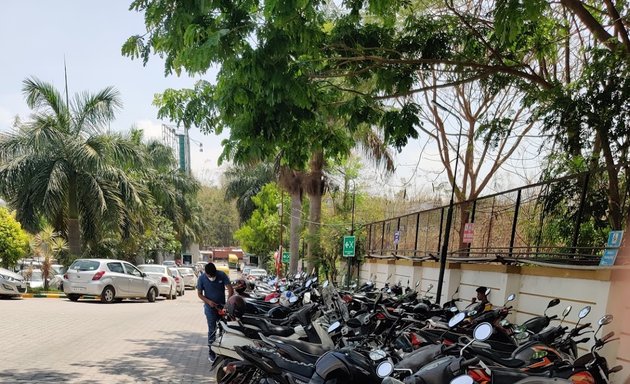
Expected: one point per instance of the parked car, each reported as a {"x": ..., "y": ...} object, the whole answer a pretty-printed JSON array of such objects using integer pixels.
[
  {"x": 112, "y": 280},
  {"x": 190, "y": 279},
  {"x": 11, "y": 283},
  {"x": 169, "y": 263},
  {"x": 246, "y": 271},
  {"x": 257, "y": 274},
  {"x": 36, "y": 279},
  {"x": 179, "y": 282},
  {"x": 163, "y": 277}
]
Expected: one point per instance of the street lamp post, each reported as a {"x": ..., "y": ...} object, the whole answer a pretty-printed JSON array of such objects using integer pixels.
[{"x": 449, "y": 213}]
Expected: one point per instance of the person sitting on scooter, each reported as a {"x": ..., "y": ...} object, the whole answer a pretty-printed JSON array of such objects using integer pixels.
[{"x": 483, "y": 304}]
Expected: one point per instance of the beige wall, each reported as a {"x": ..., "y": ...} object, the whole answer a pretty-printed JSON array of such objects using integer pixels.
[{"x": 534, "y": 288}]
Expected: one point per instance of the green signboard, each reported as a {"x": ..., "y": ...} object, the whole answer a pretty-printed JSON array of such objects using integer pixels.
[
  {"x": 285, "y": 257},
  {"x": 348, "y": 246}
]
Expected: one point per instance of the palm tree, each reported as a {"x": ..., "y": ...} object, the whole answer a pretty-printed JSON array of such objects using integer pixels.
[
  {"x": 63, "y": 166},
  {"x": 242, "y": 182}
]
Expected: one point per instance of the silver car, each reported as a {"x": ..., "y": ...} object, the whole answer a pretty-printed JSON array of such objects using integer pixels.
[
  {"x": 112, "y": 280},
  {"x": 11, "y": 284},
  {"x": 190, "y": 279}
]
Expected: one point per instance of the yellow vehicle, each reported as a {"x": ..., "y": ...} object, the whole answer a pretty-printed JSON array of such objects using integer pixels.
[
  {"x": 223, "y": 268},
  {"x": 233, "y": 261}
]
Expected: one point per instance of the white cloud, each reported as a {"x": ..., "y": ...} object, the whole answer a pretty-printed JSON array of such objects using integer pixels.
[{"x": 152, "y": 129}]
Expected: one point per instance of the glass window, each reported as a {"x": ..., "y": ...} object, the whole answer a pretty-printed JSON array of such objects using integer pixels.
[
  {"x": 115, "y": 267},
  {"x": 131, "y": 270},
  {"x": 85, "y": 265}
]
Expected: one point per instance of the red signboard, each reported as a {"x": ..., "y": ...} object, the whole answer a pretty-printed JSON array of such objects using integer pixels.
[{"x": 468, "y": 233}]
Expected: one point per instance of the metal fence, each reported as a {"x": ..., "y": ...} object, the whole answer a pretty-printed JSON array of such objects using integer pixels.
[{"x": 557, "y": 221}]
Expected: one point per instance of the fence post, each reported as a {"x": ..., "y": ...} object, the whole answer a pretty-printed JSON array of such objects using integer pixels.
[
  {"x": 369, "y": 247},
  {"x": 415, "y": 244},
  {"x": 471, "y": 219},
  {"x": 383, "y": 239},
  {"x": 398, "y": 242},
  {"x": 514, "y": 221},
  {"x": 578, "y": 221},
  {"x": 440, "y": 235}
]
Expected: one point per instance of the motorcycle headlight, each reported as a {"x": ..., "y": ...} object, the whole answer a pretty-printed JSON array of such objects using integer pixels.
[
  {"x": 384, "y": 369},
  {"x": 377, "y": 355}
]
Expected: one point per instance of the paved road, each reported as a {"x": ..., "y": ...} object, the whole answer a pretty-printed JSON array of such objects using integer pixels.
[{"x": 58, "y": 341}]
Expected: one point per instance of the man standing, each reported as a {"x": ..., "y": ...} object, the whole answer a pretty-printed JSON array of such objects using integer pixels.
[{"x": 211, "y": 287}]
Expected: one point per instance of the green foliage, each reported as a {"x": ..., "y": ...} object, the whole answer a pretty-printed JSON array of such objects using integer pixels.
[
  {"x": 13, "y": 239},
  {"x": 220, "y": 218},
  {"x": 260, "y": 235}
]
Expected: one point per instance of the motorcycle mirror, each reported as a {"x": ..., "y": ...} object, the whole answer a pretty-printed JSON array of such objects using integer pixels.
[
  {"x": 325, "y": 285},
  {"x": 553, "y": 303},
  {"x": 488, "y": 292},
  {"x": 293, "y": 299},
  {"x": 483, "y": 332},
  {"x": 307, "y": 298},
  {"x": 566, "y": 311},
  {"x": 464, "y": 379},
  {"x": 456, "y": 319},
  {"x": 584, "y": 312},
  {"x": 605, "y": 320},
  {"x": 429, "y": 288},
  {"x": 615, "y": 369},
  {"x": 384, "y": 369},
  {"x": 417, "y": 283},
  {"x": 334, "y": 326},
  {"x": 511, "y": 297},
  {"x": 274, "y": 300}
]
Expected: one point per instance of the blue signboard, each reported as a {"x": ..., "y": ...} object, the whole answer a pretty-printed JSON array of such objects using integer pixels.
[
  {"x": 612, "y": 248},
  {"x": 396, "y": 237}
]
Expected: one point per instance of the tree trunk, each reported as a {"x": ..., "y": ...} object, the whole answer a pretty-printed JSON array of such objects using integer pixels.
[
  {"x": 464, "y": 217},
  {"x": 315, "y": 190},
  {"x": 74, "y": 230},
  {"x": 615, "y": 215},
  {"x": 296, "y": 209}
]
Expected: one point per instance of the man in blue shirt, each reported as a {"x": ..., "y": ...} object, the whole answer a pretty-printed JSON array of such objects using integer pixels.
[{"x": 211, "y": 287}]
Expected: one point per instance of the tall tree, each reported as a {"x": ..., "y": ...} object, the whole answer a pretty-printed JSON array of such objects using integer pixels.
[
  {"x": 243, "y": 182},
  {"x": 63, "y": 165}
]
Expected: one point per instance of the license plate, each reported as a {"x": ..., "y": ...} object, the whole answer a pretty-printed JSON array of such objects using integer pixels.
[{"x": 78, "y": 289}]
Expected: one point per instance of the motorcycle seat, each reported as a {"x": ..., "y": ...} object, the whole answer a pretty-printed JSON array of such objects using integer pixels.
[
  {"x": 506, "y": 362},
  {"x": 266, "y": 327},
  {"x": 303, "y": 347}
]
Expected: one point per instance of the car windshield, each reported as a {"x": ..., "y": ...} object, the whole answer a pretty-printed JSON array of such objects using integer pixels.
[
  {"x": 174, "y": 271},
  {"x": 186, "y": 271},
  {"x": 85, "y": 265},
  {"x": 151, "y": 268}
]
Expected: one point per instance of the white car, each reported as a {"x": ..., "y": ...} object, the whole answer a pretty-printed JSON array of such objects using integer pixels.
[
  {"x": 36, "y": 280},
  {"x": 11, "y": 283},
  {"x": 163, "y": 277},
  {"x": 179, "y": 282},
  {"x": 256, "y": 274},
  {"x": 112, "y": 280},
  {"x": 190, "y": 279}
]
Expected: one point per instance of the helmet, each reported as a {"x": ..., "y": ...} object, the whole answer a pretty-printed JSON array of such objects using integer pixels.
[
  {"x": 239, "y": 286},
  {"x": 236, "y": 306}
]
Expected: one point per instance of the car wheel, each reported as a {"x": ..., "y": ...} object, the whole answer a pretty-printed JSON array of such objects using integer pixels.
[
  {"x": 108, "y": 295},
  {"x": 151, "y": 294},
  {"x": 74, "y": 297},
  {"x": 179, "y": 293},
  {"x": 184, "y": 291}
]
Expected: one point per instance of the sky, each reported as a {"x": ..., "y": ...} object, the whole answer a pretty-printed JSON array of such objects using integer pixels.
[{"x": 36, "y": 37}]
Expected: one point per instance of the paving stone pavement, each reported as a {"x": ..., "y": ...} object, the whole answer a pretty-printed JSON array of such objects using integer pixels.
[{"x": 59, "y": 341}]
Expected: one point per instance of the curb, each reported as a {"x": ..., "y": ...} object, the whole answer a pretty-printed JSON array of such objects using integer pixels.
[{"x": 53, "y": 296}]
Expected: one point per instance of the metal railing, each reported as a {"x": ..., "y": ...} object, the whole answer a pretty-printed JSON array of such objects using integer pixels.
[{"x": 543, "y": 222}]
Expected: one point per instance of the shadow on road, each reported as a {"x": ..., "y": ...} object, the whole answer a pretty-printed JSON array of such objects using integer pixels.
[
  {"x": 179, "y": 357},
  {"x": 33, "y": 375}
]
